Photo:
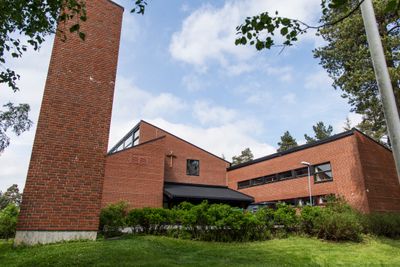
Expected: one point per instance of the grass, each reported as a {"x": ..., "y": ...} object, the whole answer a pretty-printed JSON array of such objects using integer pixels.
[{"x": 164, "y": 251}]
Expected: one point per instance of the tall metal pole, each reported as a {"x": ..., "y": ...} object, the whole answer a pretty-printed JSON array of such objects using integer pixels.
[
  {"x": 309, "y": 184},
  {"x": 383, "y": 80}
]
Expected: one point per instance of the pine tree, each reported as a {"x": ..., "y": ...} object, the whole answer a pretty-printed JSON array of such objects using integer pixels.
[
  {"x": 321, "y": 132},
  {"x": 287, "y": 142},
  {"x": 246, "y": 155}
]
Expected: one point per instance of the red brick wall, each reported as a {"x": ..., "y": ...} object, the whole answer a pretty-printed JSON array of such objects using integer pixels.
[
  {"x": 65, "y": 176},
  {"x": 212, "y": 168},
  {"x": 379, "y": 170},
  {"x": 136, "y": 175},
  {"x": 347, "y": 176}
]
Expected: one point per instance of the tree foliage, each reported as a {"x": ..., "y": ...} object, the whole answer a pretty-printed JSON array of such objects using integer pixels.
[
  {"x": 11, "y": 196},
  {"x": 320, "y": 132},
  {"x": 347, "y": 60},
  {"x": 245, "y": 155},
  {"x": 287, "y": 142}
]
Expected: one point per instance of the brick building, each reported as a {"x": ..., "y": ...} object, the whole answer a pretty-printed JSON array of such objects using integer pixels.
[
  {"x": 71, "y": 175},
  {"x": 148, "y": 161}
]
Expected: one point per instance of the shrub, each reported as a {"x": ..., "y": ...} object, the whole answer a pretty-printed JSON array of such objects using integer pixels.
[
  {"x": 149, "y": 220},
  {"x": 113, "y": 219},
  {"x": 309, "y": 219},
  {"x": 382, "y": 224},
  {"x": 285, "y": 216},
  {"x": 338, "y": 226},
  {"x": 8, "y": 221}
]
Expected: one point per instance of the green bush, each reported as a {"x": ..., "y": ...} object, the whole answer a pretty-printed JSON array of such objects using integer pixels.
[
  {"x": 113, "y": 219},
  {"x": 382, "y": 224},
  {"x": 310, "y": 218},
  {"x": 150, "y": 220},
  {"x": 339, "y": 226},
  {"x": 8, "y": 221},
  {"x": 285, "y": 216}
]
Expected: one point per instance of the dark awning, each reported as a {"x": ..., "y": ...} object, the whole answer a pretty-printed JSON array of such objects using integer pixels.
[{"x": 176, "y": 191}]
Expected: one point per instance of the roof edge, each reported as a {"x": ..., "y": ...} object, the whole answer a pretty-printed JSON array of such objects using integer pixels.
[
  {"x": 133, "y": 147},
  {"x": 118, "y": 5},
  {"x": 295, "y": 149}
]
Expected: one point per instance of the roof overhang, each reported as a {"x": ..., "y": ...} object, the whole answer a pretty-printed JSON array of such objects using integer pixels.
[{"x": 213, "y": 193}]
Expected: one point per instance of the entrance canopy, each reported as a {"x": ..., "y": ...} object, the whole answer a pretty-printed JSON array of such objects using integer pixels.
[{"x": 174, "y": 193}]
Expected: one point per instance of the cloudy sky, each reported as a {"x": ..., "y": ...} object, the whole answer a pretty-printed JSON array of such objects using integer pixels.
[{"x": 180, "y": 70}]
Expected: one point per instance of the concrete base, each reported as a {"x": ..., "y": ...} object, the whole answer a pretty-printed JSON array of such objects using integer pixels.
[{"x": 45, "y": 237}]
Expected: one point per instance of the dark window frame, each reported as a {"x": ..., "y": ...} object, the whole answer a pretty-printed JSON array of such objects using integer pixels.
[
  {"x": 188, "y": 169},
  {"x": 239, "y": 186},
  {"x": 315, "y": 173}
]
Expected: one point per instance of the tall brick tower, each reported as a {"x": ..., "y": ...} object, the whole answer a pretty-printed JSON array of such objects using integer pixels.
[{"x": 62, "y": 195}]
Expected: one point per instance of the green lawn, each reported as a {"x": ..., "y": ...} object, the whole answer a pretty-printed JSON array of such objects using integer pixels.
[{"x": 163, "y": 251}]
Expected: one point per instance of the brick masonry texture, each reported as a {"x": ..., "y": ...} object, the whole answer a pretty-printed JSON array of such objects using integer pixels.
[
  {"x": 379, "y": 172},
  {"x": 212, "y": 168},
  {"x": 347, "y": 181},
  {"x": 136, "y": 175},
  {"x": 65, "y": 177}
]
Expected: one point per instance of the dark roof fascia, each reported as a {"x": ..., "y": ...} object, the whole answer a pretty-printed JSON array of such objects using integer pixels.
[
  {"x": 295, "y": 149},
  {"x": 373, "y": 140},
  {"x": 251, "y": 200},
  {"x": 118, "y": 5},
  {"x": 185, "y": 141},
  {"x": 198, "y": 185},
  {"x": 123, "y": 138},
  {"x": 207, "y": 185},
  {"x": 133, "y": 147}
]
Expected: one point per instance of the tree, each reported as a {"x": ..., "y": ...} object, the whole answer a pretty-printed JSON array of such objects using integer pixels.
[
  {"x": 347, "y": 125},
  {"x": 11, "y": 196},
  {"x": 25, "y": 24},
  {"x": 287, "y": 142},
  {"x": 246, "y": 155},
  {"x": 321, "y": 132},
  {"x": 347, "y": 60}
]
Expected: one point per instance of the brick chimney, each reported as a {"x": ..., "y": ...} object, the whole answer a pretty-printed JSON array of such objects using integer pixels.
[{"x": 62, "y": 194}]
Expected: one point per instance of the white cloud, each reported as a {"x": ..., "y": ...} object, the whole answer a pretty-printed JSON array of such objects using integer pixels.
[
  {"x": 289, "y": 98},
  {"x": 165, "y": 103},
  {"x": 208, "y": 33},
  {"x": 193, "y": 83},
  {"x": 318, "y": 80},
  {"x": 285, "y": 74},
  {"x": 207, "y": 114},
  {"x": 228, "y": 139},
  {"x": 354, "y": 118}
]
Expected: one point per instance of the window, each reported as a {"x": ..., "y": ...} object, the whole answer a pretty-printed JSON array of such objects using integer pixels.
[
  {"x": 323, "y": 172},
  {"x": 192, "y": 167},
  {"x": 244, "y": 184},
  {"x": 285, "y": 175},
  {"x": 270, "y": 178},
  {"x": 301, "y": 172},
  {"x": 258, "y": 181}
]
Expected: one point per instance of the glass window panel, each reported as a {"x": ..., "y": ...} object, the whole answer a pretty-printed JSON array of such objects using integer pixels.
[
  {"x": 192, "y": 167},
  {"x": 270, "y": 178},
  {"x": 323, "y": 176},
  {"x": 285, "y": 175},
  {"x": 258, "y": 181},
  {"x": 136, "y": 134},
  {"x": 301, "y": 172},
  {"x": 323, "y": 167},
  {"x": 244, "y": 184},
  {"x": 136, "y": 142}
]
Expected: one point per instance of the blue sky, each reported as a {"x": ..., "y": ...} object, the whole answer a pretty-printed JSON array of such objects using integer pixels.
[{"x": 179, "y": 69}]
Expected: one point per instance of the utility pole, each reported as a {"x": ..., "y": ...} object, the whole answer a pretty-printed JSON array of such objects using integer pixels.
[{"x": 383, "y": 79}]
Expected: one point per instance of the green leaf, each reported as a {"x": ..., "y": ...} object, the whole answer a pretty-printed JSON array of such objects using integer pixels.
[
  {"x": 74, "y": 28},
  {"x": 284, "y": 31},
  {"x": 82, "y": 35}
]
